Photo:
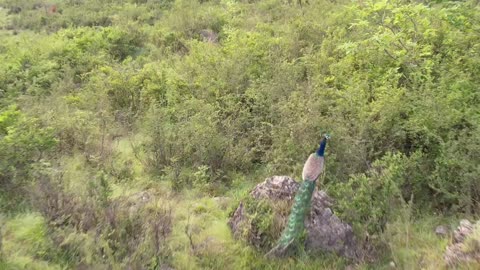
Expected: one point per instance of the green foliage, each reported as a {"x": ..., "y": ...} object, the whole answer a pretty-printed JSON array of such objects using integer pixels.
[
  {"x": 93, "y": 229},
  {"x": 264, "y": 222},
  {"x": 26, "y": 245},
  {"x": 376, "y": 196},
  {"x": 186, "y": 137},
  {"x": 100, "y": 189},
  {"x": 30, "y": 229},
  {"x": 456, "y": 173},
  {"x": 409, "y": 241},
  {"x": 99, "y": 99},
  {"x": 472, "y": 242},
  {"x": 24, "y": 142}
]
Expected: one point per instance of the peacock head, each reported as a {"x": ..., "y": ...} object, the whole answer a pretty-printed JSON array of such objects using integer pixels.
[{"x": 323, "y": 143}]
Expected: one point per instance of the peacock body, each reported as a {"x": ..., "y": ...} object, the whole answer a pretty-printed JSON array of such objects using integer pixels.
[{"x": 295, "y": 227}]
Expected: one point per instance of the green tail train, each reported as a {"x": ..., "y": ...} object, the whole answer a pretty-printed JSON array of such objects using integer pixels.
[{"x": 295, "y": 227}]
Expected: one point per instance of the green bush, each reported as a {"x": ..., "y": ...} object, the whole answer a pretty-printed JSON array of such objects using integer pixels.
[
  {"x": 24, "y": 142},
  {"x": 374, "y": 197},
  {"x": 454, "y": 178},
  {"x": 186, "y": 136},
  {"x": 262, "y": 225}
]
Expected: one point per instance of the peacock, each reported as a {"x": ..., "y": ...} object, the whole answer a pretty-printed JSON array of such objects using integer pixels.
[{"x": 295, "y": 227}]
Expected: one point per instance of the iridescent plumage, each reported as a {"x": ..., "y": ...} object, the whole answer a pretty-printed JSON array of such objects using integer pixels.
[{"x": 311, "y": 171}]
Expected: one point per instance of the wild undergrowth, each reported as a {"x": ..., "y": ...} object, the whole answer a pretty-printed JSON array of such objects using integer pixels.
[{"x": 130, "y": 130}]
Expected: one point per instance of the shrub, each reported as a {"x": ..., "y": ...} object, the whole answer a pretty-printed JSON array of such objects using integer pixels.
[
  {"x": 373, "y": 197},
  {"x": 24, "y": 142},
  {"x": 185, "y": 136}
]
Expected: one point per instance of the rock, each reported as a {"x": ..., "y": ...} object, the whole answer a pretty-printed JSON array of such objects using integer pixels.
[
  {"x": 441, "y": 230},
  {"x": 236, "y": 222},
  {"x": 273, "y": 199},
  {"x": 466, "y": 245},
  {"x": 209, "y": 36},
  {"x": 37, "y": 6},
  {"x": 462, "y": 231}
]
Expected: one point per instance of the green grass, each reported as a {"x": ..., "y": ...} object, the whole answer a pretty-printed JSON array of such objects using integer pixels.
[
  {"x": 414, "y": 245},
  {"x": 3, "y": 18},
  {"x": 383, "y": 76},
  {"x": 26, "y": 244}
]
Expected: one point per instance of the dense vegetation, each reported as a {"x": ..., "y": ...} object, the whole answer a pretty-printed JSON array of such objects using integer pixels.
[{"x": 129, "y": 129}]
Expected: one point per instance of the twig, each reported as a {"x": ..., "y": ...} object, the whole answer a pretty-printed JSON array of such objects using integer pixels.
[{"x": 188, "y": 232}]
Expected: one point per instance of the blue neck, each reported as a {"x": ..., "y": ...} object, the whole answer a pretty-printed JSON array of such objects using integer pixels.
[{"x": 321, "y": 149}]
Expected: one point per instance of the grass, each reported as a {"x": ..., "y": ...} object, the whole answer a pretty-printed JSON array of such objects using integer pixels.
[
  {"x": 414, "y": 244},
  {"x": 3, "y": 18},
  {"x": 201, "y": 239},
  {"x": 79, "y": 91},
  {"x": 4, "y": 22},
  {"x": 25, "y": 243}
]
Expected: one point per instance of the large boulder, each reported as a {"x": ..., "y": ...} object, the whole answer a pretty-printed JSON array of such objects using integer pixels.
[{"x": 262, "y": 215}]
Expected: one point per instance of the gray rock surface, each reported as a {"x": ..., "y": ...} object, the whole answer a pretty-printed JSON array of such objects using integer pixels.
[
  {"x": 463, "y": 230},
  {"x": 325, "y": 231},
  {"x": 209, "y": 36},
  {"x": 466, "y": 244},
  {"x": 441, "y": 230}
]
